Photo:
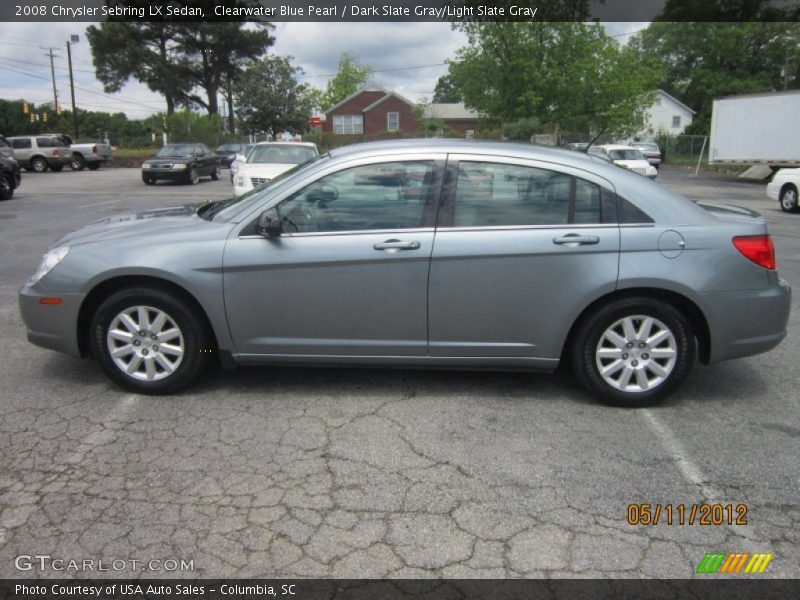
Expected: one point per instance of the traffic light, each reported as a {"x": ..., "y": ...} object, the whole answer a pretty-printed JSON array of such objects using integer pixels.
[
  {"x": 44, "y": 117},
  {"x": 25, "y": 107},
  {"x": 33, "y": 117},
  {"x": 58, "y": 109}
]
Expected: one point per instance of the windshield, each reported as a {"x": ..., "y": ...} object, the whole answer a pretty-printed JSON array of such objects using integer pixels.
[
  {"x": 174, "y": 150},
  {"x": 229, "y": 148},
  {"x": 224, "y": 210},
  {"x": 282, "y": 154},
  {"x": 625, "y": 155}
]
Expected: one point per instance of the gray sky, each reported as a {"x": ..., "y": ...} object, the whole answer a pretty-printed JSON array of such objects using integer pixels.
[{"x": 389, "y": 47}]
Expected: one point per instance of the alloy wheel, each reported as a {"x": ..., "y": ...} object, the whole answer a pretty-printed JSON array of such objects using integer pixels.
[
  {"x": 636, "y": 353},
  {"x": 789, "y": 199},
  {"x": 145, "y": 343}
]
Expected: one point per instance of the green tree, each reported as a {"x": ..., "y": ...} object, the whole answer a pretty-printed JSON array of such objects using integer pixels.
[
  {"x": 350, "y": 76},
  {"x": 146, "y": 51},
  {"x": 566, "y": 75},
  {"x": 702, "y": 61},
  {"x": 270, "y": 97},
  {"x": 188, "y": 126},
  {"x": 446, "y": 90}
]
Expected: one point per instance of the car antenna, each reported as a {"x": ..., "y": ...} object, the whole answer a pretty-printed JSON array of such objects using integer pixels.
[{"x": 594, "y": 139}]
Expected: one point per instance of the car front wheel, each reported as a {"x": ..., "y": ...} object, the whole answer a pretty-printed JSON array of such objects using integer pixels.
[
  {"x": 789, "y": 199},
  {"x": 6, "y": 187},
  {"x": 149, "y": 341},
  {"x": 634, "y": 352},
  {"x": 215, "y": 174},
  {"x": 193, "y": 177},
  {"x": 149, "y": 179}
]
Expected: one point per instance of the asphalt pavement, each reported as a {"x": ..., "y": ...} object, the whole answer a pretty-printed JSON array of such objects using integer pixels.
[{"x": 293, "y": 472}]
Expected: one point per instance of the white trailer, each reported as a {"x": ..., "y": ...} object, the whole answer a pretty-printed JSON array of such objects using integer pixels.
[{"x": 756, "y": 129}]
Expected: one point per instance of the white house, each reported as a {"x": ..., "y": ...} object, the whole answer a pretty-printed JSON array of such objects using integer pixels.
[{"x": 668, "y": 114}]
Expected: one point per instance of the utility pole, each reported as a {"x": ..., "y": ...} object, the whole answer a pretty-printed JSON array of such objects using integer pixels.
[
  {"x": 53, "y": 73},
  {"x": 74, "y": 40}
]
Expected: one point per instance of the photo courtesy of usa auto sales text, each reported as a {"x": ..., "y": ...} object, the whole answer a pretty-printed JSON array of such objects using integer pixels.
[{"x": 136, "y": 589}]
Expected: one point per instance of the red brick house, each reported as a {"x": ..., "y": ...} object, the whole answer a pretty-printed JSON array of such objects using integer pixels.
[{"x": 372, "y": 112}]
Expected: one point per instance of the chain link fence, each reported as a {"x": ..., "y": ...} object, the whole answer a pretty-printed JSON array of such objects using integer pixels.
[{"x": 683, "y": 149}]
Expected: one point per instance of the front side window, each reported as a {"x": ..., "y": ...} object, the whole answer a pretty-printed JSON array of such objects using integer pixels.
[
  {"x": 495, "y": 195},
  {"x": 370, "y": 197},
  {"x": 392, "y": 121},
  {"x": 348, "y": 124}
]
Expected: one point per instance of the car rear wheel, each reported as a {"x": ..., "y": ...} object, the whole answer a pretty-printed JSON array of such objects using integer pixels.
[
  {"x": 93, "y": 166},
  {"x": 148, "y": 341},
  {"x": 193, "y": 177},
  {"x": 634, "y": 352},
  {"x": 6, "y": 187},
  {"x": 215, "y": 174},
  {"x": 77, "y": 163},
  {"x": 39, "y": 165},
  {"x": 788, "y": 199}
]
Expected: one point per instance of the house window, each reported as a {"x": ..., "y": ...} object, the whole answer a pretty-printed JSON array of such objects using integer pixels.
[
  {"x": 392, "y": 121},
  {"x": 348, "y": 124},
  {"x": 676, "y": 121}
]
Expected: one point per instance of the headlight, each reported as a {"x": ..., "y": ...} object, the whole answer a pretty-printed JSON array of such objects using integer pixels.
[
  {"x": 178, "y": 166},
  {"x": 49, "y": 261},
  {"x": 146, "y": 165}
]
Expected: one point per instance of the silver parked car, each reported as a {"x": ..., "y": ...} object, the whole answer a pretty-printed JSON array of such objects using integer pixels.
[{"x": 434, "y": 253}]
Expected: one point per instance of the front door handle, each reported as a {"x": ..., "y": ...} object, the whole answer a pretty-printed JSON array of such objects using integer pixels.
[
  {"x": 396, "y": 245},
  {"x": 574, "y": 239}
]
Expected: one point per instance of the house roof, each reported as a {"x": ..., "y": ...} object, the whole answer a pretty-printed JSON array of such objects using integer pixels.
[
  {"x": 676, "y": 101},
  {"x": 455, "y": 110},
  {"x": 386, "y": 97},
  {"x": 354, "y": 94}
]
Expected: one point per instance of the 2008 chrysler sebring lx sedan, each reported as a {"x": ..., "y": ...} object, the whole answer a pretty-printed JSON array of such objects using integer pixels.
[{"x": 421, "y": 253}]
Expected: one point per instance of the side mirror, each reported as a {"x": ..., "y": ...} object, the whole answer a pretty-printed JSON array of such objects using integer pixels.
[{"x": 269, "y": 223}]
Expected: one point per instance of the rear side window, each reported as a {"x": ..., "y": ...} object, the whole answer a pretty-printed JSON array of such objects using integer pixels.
[
  {"x": 491, "y": 195},
  {"x": 45, "y": 142},
  {"x": 21, "y": 143}
]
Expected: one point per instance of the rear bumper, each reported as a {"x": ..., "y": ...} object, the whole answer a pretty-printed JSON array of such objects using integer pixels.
[
  {"x": 748, "y": 322},
  {"x": 52, "y": 326}
]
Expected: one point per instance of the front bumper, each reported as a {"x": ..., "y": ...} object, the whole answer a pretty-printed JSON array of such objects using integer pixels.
[
  {"x": 166, "y": 174},
  {"x": 748, "y": 322},
  {"x": 52, "y": 326}
]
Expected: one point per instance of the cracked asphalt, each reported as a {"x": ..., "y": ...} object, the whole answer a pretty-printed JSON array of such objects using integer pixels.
[{"x": 292, "y": 472}]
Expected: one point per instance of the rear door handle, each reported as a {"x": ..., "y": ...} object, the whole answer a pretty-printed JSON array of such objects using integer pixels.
[
  {"x": 396, "y": 245},
  {"x": 574, "y": 239}
]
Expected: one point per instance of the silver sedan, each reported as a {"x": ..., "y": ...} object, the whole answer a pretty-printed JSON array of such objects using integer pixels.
[{"x": 420, "y": 253}]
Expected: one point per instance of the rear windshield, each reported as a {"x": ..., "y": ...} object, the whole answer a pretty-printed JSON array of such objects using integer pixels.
[
  {"x": 647, "y": 147},
  {"x": 625, "y": 155},
  {"x": 282, "y": 154},
  {"x": 228, "y": 148}
]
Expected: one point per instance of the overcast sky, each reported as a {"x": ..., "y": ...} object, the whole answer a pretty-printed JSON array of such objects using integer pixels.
[{"x": 400, "y": 53}]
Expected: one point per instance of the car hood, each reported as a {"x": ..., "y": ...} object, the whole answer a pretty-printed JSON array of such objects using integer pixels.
[
  {"x": 142, "y": 223},
  {"x": 266, "y": 170}
]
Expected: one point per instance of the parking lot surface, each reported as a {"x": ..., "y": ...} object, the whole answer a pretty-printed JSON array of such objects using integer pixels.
[{"x": 378, "y": 473}]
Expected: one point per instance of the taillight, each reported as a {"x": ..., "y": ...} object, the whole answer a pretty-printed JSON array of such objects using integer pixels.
[
  {"x": 757, "y": 248},
  {"x": 55, "y": 151}
]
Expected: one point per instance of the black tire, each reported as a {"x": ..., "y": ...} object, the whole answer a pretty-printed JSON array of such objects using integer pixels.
[
  {"x": 586, "y": 348},
  {"x": 57, "y": 168},
  {"x": 78, "y": 163},
  {"x": 6, "y": 187},
  {"x": 215, "y": 174},
  {"x": 39, "y": 165},
  {"x": 93, "y": 166},
  {"x": 149, "y": 179},
  {"x": 192, "y": 176},
  {"x": 194, "y": 336},
  {"x": 788, "y": 198}
]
